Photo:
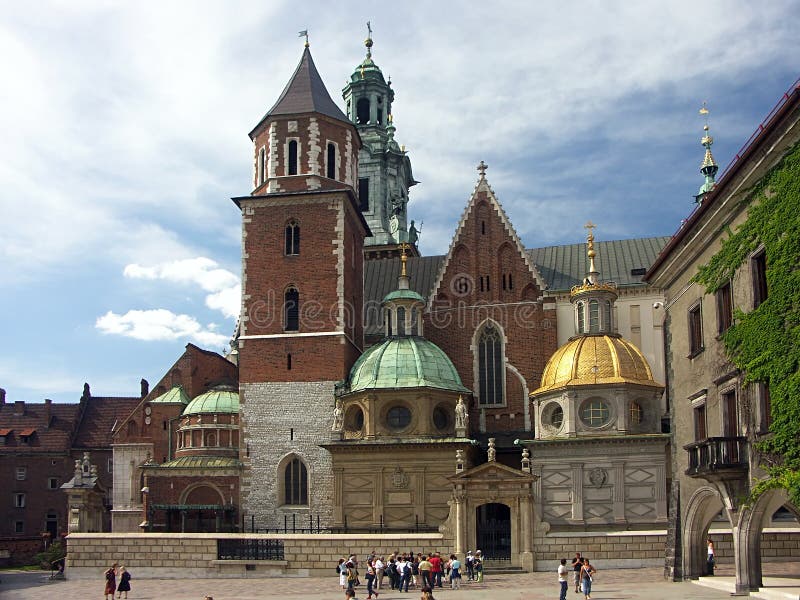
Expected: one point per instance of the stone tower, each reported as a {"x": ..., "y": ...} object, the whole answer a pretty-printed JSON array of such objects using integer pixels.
[
  {"x": 384, "y": 167},
  {"x": 302, "y": 297}
]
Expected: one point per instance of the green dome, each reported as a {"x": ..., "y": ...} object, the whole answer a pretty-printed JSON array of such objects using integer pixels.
[
  {"x": 175, "y": 395},
  {"x": 403, "y": 295},
  {"x": 404, "y": 362},
  {"x": 215, "y": 401}
]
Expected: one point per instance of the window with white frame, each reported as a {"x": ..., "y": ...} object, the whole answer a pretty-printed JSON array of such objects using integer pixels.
[
  {"x": 19, "y": 500},
  {"x": 22, "y": 473}
]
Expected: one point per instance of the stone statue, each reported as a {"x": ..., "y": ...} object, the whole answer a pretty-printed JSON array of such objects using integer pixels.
[
  {"x": 144, "y": 387},
  {"x": 338, "y": 422},
  {"x": 491, "y": 452},
  {"x": 413, "y": 233},
  {"x": 462, "y": 417}
]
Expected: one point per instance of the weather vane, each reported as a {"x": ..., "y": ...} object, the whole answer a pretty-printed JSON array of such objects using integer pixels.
[{"x": 304, "y": 33}]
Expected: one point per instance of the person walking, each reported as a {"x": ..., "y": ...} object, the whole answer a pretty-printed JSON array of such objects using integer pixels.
[
  {"x": 587, "y": 571},
  {"x": 111, "y": 582},
  {"x": 470, "y": 569},
  {"x": 380, "y": 566},
  {"x": 425, "y": 571},
  {"x": 562, "y": 579},
  {"x": 124, "y": 582},
  {"x": 577, "y": 563},
  {"x": 477, "y": 564},
  {"x": 341, "y": 569},
  {"x": 436, "y": 570},
  {"x": 455, "y": 572},
  {"x": 370, "y": 576},
  {"x": 710, "y": 560}
]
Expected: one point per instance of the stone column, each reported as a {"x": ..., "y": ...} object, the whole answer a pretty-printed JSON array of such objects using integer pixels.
[{"x": 526, "y": 531}]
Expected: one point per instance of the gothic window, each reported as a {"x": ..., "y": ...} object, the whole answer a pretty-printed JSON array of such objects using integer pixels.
[
  {"x": 594, "y": 316},
  {"x": 362, "y": 111},
  {"x": 363, "y": 193},
  {"x": 291, "y": 310},
  {"x": 490, "y": 366},
  {"x": 292, "y": 161},
  {"x": 581, "y": 318},
  {"x": 759, "y": 265},
  {"x": 295, "y": 483},
  {"x": 292, "y": 238},
  {"x": 331, "y": 160}
]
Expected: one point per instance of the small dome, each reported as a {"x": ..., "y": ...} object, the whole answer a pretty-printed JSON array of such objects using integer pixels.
[
  {"x": 175, "y": 395},
  {"x": 404, "y": 362},
  {"x": 403, "y": 295},
  {"x": 215, "y": 401},
  {"x": 593, "y": 360}
]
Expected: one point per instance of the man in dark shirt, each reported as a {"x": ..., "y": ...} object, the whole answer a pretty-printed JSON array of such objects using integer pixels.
[{"x": 577, "y": 563}]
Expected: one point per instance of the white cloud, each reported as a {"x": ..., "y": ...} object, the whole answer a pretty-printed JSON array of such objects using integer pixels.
[
  {"x": 159, "y": 325},
  {"x": 224, "y": 286}
]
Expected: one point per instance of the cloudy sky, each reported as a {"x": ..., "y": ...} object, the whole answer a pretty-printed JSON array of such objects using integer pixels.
[{"x": 124, "y": 136}]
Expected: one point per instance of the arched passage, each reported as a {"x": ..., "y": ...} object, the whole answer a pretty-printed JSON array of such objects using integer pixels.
[
  {"x": 703, "y": 506},
  {"x": 493, "y": 530}
]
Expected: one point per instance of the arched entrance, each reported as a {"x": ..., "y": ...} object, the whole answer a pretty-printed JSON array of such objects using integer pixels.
[{"x": 493, "y": 531}]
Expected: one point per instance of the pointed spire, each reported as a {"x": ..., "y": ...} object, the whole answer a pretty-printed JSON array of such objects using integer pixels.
[
  {"x": 709, "y": 166},
  {"x": 592, "y": 276},
  {"x": 368, "y": 41}
]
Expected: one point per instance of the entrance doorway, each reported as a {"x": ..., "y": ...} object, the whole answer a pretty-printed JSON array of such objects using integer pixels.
[{"x": 493, "y": 531}]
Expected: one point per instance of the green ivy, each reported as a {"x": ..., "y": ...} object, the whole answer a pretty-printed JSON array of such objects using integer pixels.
[{"x": 765, "y": 343}]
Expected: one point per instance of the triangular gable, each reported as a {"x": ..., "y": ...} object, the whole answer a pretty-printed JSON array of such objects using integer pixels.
[
  {"x": 491, "y": 470},
  {"x": 483, "y": 186}
]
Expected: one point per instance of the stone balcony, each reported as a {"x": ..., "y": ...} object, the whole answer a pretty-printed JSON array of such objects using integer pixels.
[{"x": 718, "y": 458}]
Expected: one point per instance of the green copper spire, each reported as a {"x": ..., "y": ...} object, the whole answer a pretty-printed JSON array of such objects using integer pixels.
[{"x": 709, "y": 166}]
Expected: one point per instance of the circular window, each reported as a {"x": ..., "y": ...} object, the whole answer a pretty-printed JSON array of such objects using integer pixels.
[
  {"x": 398, "y": 417},
  {"x": 553, "y": 416},
  {"x": 595, "y": 413},
  {"x": 441, "y": 418},
  {"x": 636, "y": 413},
  {"x": 355, "y": 419}
]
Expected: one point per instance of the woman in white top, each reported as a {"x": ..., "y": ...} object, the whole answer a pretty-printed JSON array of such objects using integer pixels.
[
  {"x": 379, "y": 571},
  {"x": 342, "y": 574}
]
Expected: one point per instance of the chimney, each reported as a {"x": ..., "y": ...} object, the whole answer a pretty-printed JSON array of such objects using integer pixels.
[
  {"x": 2, "y": 396},
  {"x": 145, "y": 387},
  {"x": 47, "y": 412},
  {"x": 19, "y": 408}
]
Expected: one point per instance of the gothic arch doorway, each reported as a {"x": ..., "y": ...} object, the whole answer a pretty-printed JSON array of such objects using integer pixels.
[{"x": 493, "y": 531}]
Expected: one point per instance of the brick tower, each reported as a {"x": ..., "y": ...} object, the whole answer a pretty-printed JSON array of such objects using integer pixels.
[{"x": 302, "y": 297}]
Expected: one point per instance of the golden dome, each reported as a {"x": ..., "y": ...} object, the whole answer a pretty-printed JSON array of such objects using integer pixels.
[{"x": 593, "y": 360}]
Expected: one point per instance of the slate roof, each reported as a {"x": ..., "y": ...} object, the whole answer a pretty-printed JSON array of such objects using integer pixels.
[
  {"x": 305, "y": 93},
  {"x": 55, "y": 438},
  {"x": 99, "y": 418}
]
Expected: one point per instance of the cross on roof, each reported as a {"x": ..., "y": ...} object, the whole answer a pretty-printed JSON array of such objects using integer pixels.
[
  {"x": 590, "y": 226},
  {"x": 482, "y": 169}
]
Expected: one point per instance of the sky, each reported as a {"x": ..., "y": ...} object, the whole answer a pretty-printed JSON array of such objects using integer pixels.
[{"x": 123, "y": 136}]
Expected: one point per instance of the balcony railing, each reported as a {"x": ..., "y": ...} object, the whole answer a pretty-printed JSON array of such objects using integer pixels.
[{"x": 717, "y": 455}]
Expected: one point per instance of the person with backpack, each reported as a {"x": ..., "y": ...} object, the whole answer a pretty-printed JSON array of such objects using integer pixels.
[
  {"x": 404, "y": 570},
  {"x": 352, "y": 575}
]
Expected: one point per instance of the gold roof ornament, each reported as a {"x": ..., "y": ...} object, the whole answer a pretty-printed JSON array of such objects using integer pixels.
[
  {"x": 592, "y": 281},
  {"x": 403, "y": 258},
  {"x": 304, "y": 33}
]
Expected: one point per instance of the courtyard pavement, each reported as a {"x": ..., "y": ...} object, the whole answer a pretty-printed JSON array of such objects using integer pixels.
[{"x": 782, "y": 581}]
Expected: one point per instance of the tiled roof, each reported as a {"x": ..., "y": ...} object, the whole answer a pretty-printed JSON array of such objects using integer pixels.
[
  {"x": 201, "y": 462},
  {"x": 55, "y": 438},
  {"x": 305, "y": 93},
  {"x": 100, "y": 415}
]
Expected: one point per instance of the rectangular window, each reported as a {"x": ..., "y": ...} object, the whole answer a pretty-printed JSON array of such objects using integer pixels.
[
  {"x": 724, "y": 308},
  {"x": 292, "y": 162},
  {"x": 19, "y": 526},
  {"x": 110, "y": 465},
  {"x": 730, "y": 422},
  {"x": 19, "y": 500},
  {"x": 363, "y": 193},
  {"x": 22, "y": 473},
  {"x": 759, "y": 269},
  {"x": 695, "y": 330},
  {"x": 52, "y": 483},
  {"x": 700, "y": 432}
]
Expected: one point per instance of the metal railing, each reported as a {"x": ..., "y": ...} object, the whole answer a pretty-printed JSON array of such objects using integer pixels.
[
  {"x": 716, "y": 454},
  {"x": 311, "y": 524},
  {"x": 248, "y": 549}
]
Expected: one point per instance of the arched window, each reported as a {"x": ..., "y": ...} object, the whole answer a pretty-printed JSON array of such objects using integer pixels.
[
  {"x": 388, "y": 317},
  {"x": 292, "y": 238},
  {"x": 331, "y": 160},
  {"x": 262, "y": 163},
  {"x": 292, "y": 162},
  {"x": 607, "y": 316},
  {"x": 581, "y": 318},
  {"x": 362, "y": 111},
  {"x": 401, "y": 321},
  {"x": 295, "y": 483},
  {"x": 291, "y": 310},
  {"x": 490, "y": 366},
  {"x": 414, "y": 329},
  {"x": 594, "y": 316}
]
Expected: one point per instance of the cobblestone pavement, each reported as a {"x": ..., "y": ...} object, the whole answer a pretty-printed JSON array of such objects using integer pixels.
[{"x": 609, "y": 585}]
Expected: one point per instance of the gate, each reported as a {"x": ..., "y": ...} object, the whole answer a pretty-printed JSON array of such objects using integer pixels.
[{"x": 493, "y": 531}]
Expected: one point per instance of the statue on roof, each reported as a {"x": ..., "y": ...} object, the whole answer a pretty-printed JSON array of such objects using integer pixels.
[
  {"x": 413, "y": 233},
  {"x": 462, "y": 417},
  {"x": 338, "y": 421}
]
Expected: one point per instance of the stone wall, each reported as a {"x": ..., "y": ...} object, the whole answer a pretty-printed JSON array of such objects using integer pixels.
[{"x": 194, "y": 555}]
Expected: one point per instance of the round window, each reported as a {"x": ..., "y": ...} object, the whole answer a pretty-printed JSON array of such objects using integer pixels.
[
  {"x": 595, "y": 413},
  {"x": 441, "y": 418},
  {"x": 636, "y": 413},
  {"x": 553, "y": 416},
  {"x": 354, "y": 420},
  {"x": 398, "y": 417}
]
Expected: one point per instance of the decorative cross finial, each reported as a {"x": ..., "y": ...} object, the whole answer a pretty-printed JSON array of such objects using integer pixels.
[
  {"x": 304, "y": 33},
  {"x": 482, "y": 169},
  {"x": 368, "y": 41},
  {"x": 590, "y": 226},
  {"x": 369, "y": 30},
  {"x": 403, "y": 258}
]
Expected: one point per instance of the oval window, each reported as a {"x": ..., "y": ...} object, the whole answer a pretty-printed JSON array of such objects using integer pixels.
[
  {"x": 398, "y": 417},
  {"x": 441, "y": 418}
]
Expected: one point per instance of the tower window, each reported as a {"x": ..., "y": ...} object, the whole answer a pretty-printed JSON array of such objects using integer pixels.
[
  {"x": 291, "y": 310},
  {"x": 414, "y": 329},
  {"x": 581, "y": 318},
  {"x": 295, "y": 483},
  {"x": 401, "y": 321},
  {"x": 490, "y": 366},
  {"x": 292, "y": 163},
  {"x": 362, "y": 111},
  {"x": 292, "y": 239},
  {"x": 380, "y": 110},
  {"x": 594, "y": 316},
  {"x": 388, "y": 323},
  {"x": 607, "y": 316},
  {"x": 262, "y": 164},
  {"x": 331, "y": 160},
  {"x": 483, "y": 227},
  {"x": 363, "y": 193},
  {"x": 510, "y": 281},
  {"x": 504, "y": 281}
]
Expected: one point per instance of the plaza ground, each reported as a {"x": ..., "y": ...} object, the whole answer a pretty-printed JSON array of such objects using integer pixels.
[{"x": 782, "y": 582}]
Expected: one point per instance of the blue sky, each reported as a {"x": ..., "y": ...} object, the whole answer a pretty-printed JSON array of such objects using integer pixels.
[{"x": 124, "y": 129}]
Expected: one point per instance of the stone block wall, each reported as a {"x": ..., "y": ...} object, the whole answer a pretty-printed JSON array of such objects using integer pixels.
[{"x": 618, "y": 549}]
